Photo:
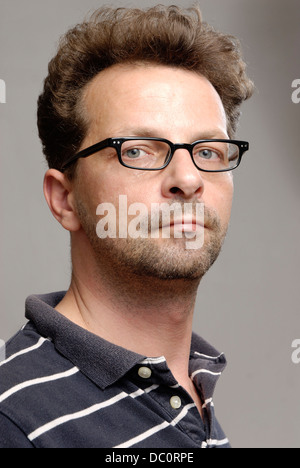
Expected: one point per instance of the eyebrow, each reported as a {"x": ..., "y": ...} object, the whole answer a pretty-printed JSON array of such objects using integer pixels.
[{"x": 153, "y": 133}]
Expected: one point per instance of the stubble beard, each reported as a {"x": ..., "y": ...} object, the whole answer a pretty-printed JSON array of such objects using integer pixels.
[{"x": 157, "y": 259}]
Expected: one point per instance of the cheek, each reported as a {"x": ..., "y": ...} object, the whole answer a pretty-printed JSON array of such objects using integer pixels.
[
  {"x": 218, "y": 197},
  {"x": 94, "y": 183},
  {"x": 98, "y": 185}
]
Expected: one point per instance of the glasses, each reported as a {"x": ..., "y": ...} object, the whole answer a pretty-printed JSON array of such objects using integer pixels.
[{"x": 154, "y": 154}]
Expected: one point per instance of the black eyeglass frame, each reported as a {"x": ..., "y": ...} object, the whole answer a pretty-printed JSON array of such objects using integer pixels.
[{"x": 116, "y": 143}]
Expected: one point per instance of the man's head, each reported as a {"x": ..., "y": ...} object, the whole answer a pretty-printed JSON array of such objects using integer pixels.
[
  {"x": 160, "y": 35},
  {"x": 129, "y": 73}
]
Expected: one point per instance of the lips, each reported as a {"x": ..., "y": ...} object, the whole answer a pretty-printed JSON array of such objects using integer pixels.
[
  {"x": 186, "y": 217},
  {"x": 186, "y": 224}
]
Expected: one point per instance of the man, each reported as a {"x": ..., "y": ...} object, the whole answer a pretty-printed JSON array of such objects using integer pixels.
[{"x": 137, "y": 120}]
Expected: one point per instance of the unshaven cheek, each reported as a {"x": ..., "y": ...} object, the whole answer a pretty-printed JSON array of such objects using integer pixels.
[{"x": 218, "y": 196}]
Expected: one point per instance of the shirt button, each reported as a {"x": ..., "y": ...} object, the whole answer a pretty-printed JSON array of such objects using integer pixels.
[
  {"x": 145, "y": 372},
  {"x": 175, "y": 402}
]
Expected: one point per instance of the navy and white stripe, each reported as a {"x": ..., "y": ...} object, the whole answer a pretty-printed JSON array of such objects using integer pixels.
[{"x": 63, "y": 387}]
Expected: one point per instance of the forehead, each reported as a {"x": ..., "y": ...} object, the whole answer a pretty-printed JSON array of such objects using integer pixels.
[{"x": 151, "y": 95}]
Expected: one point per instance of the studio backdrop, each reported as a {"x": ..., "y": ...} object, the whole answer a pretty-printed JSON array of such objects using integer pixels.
[{"x": 249, "y": 303}]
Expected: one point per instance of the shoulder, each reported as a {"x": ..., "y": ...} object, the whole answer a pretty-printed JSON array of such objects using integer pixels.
[
  {"x": 27, "y": 383},
  {"x": 27, "y": 356}
]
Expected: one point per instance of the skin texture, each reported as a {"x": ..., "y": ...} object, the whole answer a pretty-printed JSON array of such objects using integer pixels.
[{"x": 140, "y": 293}]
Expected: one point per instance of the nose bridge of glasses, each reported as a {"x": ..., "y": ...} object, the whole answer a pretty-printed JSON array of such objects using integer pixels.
[{"x": 186, "y": 146}]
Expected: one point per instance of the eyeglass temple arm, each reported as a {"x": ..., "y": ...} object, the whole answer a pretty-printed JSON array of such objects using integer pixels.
[{"x": 88, "y": 152}]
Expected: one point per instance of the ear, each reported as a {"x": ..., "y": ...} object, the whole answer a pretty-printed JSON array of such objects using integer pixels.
[{"x": 59, "y": 196}]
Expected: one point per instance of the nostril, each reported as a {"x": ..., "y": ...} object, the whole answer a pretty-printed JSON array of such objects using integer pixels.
[{"x": 175, "y": 190}]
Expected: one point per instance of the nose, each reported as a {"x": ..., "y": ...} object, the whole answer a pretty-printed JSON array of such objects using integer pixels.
[{"x": 182, "y": 179}]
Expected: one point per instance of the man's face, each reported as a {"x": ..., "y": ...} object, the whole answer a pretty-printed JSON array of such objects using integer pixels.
[{"x": 163, "y": 102}]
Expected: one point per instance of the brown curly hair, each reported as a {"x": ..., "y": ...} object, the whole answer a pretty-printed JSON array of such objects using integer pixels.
[{"x": 161, "y": 35}]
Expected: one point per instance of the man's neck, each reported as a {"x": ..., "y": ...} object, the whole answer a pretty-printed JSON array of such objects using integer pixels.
[{"x": 148, "y": 316}]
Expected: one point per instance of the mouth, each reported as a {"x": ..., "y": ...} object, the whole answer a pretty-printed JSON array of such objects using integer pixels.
[
  {"x": 177, "y": 219},
  {"x": 186, "y": 225}
]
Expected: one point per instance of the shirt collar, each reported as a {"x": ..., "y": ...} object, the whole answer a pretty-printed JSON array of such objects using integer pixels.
[{"x": 103, "y": 362}]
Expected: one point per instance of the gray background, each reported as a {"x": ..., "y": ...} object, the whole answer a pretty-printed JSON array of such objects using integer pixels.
[{"x": 248, "y": 304}]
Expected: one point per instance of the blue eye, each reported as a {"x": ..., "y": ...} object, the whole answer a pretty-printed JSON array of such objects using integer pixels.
[
  {"x": 208, "y": 154},
  {"x": 135, "y": 153}
]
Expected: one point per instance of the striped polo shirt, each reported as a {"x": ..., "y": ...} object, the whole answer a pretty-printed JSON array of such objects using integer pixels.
[{"x": 64, "y": 387}]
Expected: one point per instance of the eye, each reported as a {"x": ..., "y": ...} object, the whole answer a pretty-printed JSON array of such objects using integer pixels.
[
  {"x": 135, "y": 153},
  {"x": 208, "y": 154}
]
